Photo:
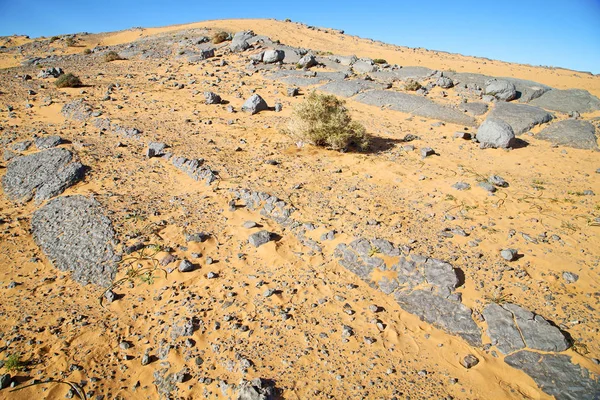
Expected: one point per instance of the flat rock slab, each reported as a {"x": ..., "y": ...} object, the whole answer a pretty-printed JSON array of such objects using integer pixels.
[
  {"x": 520, "y": 117},
  {"x": 526, "y": 90},
  {"x": 571, "y": 133},
  {"x": 78, "y": 110},
  {"x": 445, "y": 314},
  {"x": 303, "y": 81},
  {"x": 556, "y": 375},
  {"x": 41, "y": 175},
  {"x": 350, "y": 88},
  {"x": 568, "y": 100},
  {"x": 474, "y": 108},
  {"x": 76, "y": 236},
  {"x": 413, "y": 104}
]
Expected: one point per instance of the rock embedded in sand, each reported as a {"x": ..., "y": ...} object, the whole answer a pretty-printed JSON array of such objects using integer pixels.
[
  {"x": 240, "y": 41},
  {"x": 495, "y": 133},
  {"x": 212, "y": 98},
  {"x": 185, "y": 266},
  {"x": 76, "y": 236},
  {"x": 509, "y": 254},
  {"x": 501, "y": 89},
  {"x": 259, "y": 238},
  {"x": 571, "y": 133},
  {"x": 273, "y": 56},
  {"x": 47, "y": 142},
  {"x": 307, "y": 61},
  {"x": 41, "y": 175},
  {"x": 469, "y": 361}
]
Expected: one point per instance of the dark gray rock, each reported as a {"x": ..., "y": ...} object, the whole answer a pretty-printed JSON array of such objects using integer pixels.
[
  {"x": 52, "y": 72},
  {"x": 255, "y": 104},
  {"x": 495, "y": 133},
  {"x": 571, "y": 133},
  {"x": 185, "y": 266},
  {"x": 444, "y": 82},
  {"x": 76, "y": 236},
  {"x": 344, "y": 60},
  {"x": 520, "y": 117},
  {"x": 497, "y": 181},
  {"x": 556, "y": 375},
  {"x": 47, "y": 142},
  {"x": 21, "y": 146},
  {"x": 501, "y": 89},
  {"x": 240, "y": 41},
  {"x": 155, "y": 149},
  {"x": 451, "y": 316},
  {"x": 292, "y": 92},
  {"x": 41, "y": 175},
  {"x": 413, "y": 104},
  {"x": 78, "y": 110},
  {"x": 502, "y": 329},
  {"x": 568, "y": 100},
  {"x": 349, "y": 88},
  {"x": 273, "y": 56},
  {"x": 474, "y": 108},
  {"x": 538, "y": 333},
  {"x": 257, "y": 389},
  {"x": 5, "y": 380},
  {"x": 259, "y": 238},
  {"x": 212, "y": 98}
]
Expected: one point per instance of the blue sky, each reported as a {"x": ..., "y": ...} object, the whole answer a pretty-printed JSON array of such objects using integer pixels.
[{"x": 551, "y": 32}]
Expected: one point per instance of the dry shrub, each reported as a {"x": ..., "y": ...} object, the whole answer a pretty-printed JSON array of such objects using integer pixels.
[
  {"x": 220, "y": 37},
  {"x": 412, "y": 85},
  {"x": 323, "y": 120},
  {"x": 112, "y": 56},
  {"x": 67, "y": 80}
]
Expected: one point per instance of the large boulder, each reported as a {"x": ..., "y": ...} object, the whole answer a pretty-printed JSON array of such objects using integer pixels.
[
  {"x": 255, "y": 104},
  {"x": 307, "y": 61},
  {"x": 76, "y": 236},
  {"x": 571, "y": 133},
  {"x": 495, "y": 133},
  {"x": 273, "y": 56},
  {"x": 520, "y": 117},
  {"x": 501, "y": 89},
  {"x": 568, "y": 100},
  {"x": 364, "y": 66},
  {"x": 240, "y": 41},
  {"x": 41, "y": 175}
]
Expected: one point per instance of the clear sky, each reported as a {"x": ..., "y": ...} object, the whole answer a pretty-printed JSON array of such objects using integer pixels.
[{"x": 563, "y": 33}]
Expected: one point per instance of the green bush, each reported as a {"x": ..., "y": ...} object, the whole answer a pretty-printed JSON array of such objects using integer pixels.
[
  {"x": 87, "y": 51},
  {"x": 71, "y": 42},
  {"x": 68, "y": 80},
  {"x": 13, "y": 363},
  {"x": 54, "y": 39},
  {"x": 112, "y": 56},
  {"x": 323, "y": 120},
  {"x": 220, "y": 37},
  {"x": 412, "y": 85},
  {"x": 379, "y": 61}
]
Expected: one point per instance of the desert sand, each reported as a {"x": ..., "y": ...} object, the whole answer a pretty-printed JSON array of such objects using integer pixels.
[{"x": 278, "y": 311}]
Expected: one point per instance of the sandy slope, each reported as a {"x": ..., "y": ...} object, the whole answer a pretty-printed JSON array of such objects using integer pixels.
[{"x": 305, "y": 354}]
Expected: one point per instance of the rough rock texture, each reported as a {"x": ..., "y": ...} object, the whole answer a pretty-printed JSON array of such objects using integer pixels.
[
  {"x": 451, "y": 316},
  {"x": 364, "y": 67},
  {"x": 259, "y": 238},
  {"x": 512, "y": 328},
  {"x": 571, "y": 133},
  {"x": 255, "y": 104},
  {"x": 257, "y": 389},
  {"x": 444, "y": 82},
  {"x": 501, "y": 89},
  {"x": 74, "y": 233},
  {"x": 47, "y": 142},
  {"x": 349, "y": 88},
  {"x": 495, "y": 133},
  {"x": 474, "y": 108},
  {"x": 195, "y": 169},
  {"x": 240, "y": 41},
  {"x": 307, "y": 61},
  {"x": 78, "y": 110},
  {"x": 556, "y": 375},
  {"x": 413, "y": 104},
  {"x": 568, "y": 100},
  {"x": 41, "y": 175},
  {"x": 520, "y": 117}
]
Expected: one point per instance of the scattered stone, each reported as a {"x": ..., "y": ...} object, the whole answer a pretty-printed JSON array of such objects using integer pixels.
[
  {"x": 255, "y": 104},
  {"x": 240, "y": 41},
  {"x": 155, "y": 149},
  {"x": 76, "y": 236},
  {"x": 570, "y": 277},
  {"x": 5, "y": 381},
  {"x": 509, "y": 254},
  {"x": 307, "y": 61},
  {"x": 257, "y": 239},
  {"x": 469, "y": 361},
  {"x": 487, "y": 186},
  {"x": 461, "y": 186},
  {"x": 292, "y": 92},
  {"x": 426, "y": 152},
  {"x": 497, "y": 181},
  {"x": 501, "y": 89},
  {"x": 212, "y": 98},
  {"x": 444, "y": 82},
  {"x": 278, "y": 107},
  {"x": 185, "y": 266}
]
